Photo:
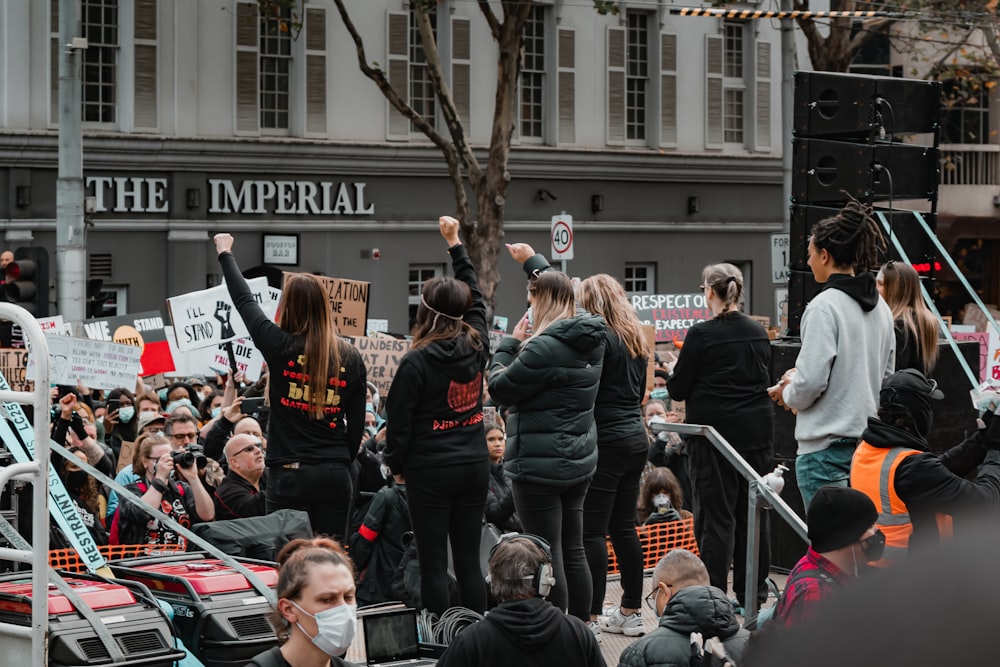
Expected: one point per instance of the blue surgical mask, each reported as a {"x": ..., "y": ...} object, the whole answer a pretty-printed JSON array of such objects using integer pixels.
[
  {"x": 660, "y": 393},
  {"x": 162, "y": 393},
  {"x": 125, "y": 413},
  {"x": 216, "y": 412}
]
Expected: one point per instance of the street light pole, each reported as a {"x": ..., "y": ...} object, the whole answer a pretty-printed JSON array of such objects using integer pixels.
[
  {"x": 71, "y": 234},
  {"x": 787, "y": 110}
]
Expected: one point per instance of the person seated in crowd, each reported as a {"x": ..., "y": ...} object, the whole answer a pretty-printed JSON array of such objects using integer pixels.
[
  {"x": 377, "y": 546},
  {"x": 924, "y": 491},
  {"x": 499, "y": 508},
  {"x": 666, "y": 448},
  {"x": 127, "y": 475},
  {"x": 524, "y": 628},
  {"x": 843, "y": 537},
  {"x": 686, "y": 604},
  {"x": 182, "y": 430},
  {"x": 75, "y": 427},
  {"x": 90, "y": 503},
  {"x": 241, "y": 493},
  {"x": 210, "y": 408},
  {"x": 176, "y": 491},
  {"x": 147, "y": 403},
  {"x": 317, "y": 610},
  {"x": 119, "y": 422},
  {"x": 660, "y": 498},
  {"x": 180, "y": 393}
]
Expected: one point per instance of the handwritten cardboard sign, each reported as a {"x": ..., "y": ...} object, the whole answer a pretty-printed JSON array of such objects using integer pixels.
[
  {"x": 94, "y": 363},
  {"x": 671, "y": 314},
  {"x": 349, "y": 301},
  {"x": 382, "y": 355},
  {"x": 14, "y": 366},
  {"x": 983, "y": 338},
  {"x": 142, "y": 330},
  {"x": 208, "y": 317}
]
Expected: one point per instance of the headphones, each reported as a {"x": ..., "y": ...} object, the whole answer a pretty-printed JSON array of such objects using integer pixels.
[{"x": 542, "y": 580}]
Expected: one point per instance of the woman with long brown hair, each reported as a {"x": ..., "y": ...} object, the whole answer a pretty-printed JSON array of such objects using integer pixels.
[
  {"x": 622, "y": 448},
  {"x": 916, "y": 327},
  {"x": 316, "y": 396},
  {"x": 434, "y": 432}
]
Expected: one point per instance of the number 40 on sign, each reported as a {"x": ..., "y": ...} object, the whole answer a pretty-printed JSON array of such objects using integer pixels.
[{"x": 562, "y": 237}]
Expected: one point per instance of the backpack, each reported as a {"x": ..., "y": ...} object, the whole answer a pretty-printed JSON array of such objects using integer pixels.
[
  {"x": 765, "y": 615},
  {"x": 114, "y": 536},
  {"x": 406, "y": 578}
]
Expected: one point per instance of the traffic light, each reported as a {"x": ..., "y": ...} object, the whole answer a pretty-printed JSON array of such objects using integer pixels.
[
  {"x": 27, "y": 280},
  {"x": 97, "y": 300}
]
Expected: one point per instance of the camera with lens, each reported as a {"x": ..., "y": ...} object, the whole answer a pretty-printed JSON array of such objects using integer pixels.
[{"x": 190, "y": 455}]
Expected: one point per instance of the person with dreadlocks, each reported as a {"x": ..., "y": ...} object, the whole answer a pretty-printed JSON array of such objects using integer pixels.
[
  {"x": 434, "y": 430},
  {"x": 847, "y": 323},
  {"x": 918, "y": 492}
]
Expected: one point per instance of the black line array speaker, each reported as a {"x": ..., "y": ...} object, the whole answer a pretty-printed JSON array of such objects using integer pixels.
[
  {"x": 822, "y": 171},
  {"x": 829, "y": 104}
]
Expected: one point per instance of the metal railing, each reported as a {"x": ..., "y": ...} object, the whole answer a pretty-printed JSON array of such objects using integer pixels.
[
  {"x": 37, "y": 473},
  {"x": 970, "y": 164},
  {"x": 759, "y": 496}
]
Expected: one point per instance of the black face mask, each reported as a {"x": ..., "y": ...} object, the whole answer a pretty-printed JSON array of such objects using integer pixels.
[
  {"x": 873, "y": 547},
  {"x": 75, "y": 479}
]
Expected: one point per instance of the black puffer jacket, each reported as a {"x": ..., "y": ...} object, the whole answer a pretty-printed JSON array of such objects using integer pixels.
[
  {"x": 703, "y": 609},
  {"x": 499, "y": 508},
  {"x": 550, "y": 383}
]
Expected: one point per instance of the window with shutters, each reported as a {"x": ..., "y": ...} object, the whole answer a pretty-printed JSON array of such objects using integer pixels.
[
  {"x": 275, "y": 48},
  {"x": 566, "y": 73},
  {"x": 315, "y": 45},
  {"x": 421, "y": 90},
  {"x": 640, "y": 278},
  {"x": 419, "y": 274},
  {"x": 733, "y": 83},
  {"x": 145, "y": 67},
  {"x": 636, "y": 74},
  {"x": 533, "y": 77},
  {"x": 100, "y": 60}
]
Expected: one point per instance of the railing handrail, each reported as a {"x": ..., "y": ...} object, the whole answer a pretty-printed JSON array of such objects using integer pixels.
[
  {"x": 759, "y": 492},
  {"x": 970, "y": 148},
  {"x": 38, "y": 555}
]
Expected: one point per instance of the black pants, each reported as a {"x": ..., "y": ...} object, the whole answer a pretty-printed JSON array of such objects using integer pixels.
[
  {"x": 555, "y": 514},
  {"x": 321, "y": 489},
  {"x": 609, "y": 510},
  {"x": 720, "y": 516},
  {"x": 447, "y": 502}
]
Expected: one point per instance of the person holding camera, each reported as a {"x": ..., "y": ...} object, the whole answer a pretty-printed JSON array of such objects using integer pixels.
[{"x": 168, "y": 482}]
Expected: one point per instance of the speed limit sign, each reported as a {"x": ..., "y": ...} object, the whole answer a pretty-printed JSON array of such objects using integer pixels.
[{"x": 562, "y": 236}]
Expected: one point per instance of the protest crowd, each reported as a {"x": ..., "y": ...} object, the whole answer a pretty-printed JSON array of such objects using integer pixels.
[{"x": 495, "y": 477}]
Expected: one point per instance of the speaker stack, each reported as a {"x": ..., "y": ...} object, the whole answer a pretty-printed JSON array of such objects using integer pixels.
[{"x": 845, "y": 128}]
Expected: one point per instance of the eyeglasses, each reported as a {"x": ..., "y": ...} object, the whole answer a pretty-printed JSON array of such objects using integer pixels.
[
  {"x": 650, "y": 599},
  {"x": 184, "y": 436},
  {"x": 248, "y": 448}
]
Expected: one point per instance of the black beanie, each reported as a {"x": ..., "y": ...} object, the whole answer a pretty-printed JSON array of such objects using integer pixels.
[
  {"x": 661, "y": 373},
  {"x": 838, "y": 516}
]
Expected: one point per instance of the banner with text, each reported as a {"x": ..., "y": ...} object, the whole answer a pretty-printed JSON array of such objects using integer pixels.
[
  {"x": 208, "y": 317},
  {"x": 143, "y": 330},
  {"x": 349, "y": 301},
  {"x": 671, "y": 314},
  {"x": 94, "y": 363},
  {"x": 382, "y": 355},
  {"x": 14, "y": 366},
  {"x": 983, "y": 338}
]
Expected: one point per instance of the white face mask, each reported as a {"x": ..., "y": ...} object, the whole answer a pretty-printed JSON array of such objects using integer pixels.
[
  {"x": 661, "y": 500},
  {"x": 334, "y": 628}
]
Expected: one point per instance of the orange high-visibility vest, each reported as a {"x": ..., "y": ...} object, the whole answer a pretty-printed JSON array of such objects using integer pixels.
[{"x": 873, "y": 472}]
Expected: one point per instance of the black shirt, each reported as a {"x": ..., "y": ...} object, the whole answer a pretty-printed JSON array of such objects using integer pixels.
[{"x": 236, "y": 498}]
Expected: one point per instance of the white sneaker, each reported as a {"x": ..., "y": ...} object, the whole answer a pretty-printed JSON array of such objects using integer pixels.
[
  {"x": 596, "y": 629},
  {"x": 616, "y": 623}
]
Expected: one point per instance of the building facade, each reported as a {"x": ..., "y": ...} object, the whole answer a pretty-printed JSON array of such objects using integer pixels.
[{"x": 660, "y": 135}]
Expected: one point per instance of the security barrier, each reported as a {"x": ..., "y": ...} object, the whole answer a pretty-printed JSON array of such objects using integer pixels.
[
  {"x": 68, "y": 560},
  {"x": 656, "y": 540}
]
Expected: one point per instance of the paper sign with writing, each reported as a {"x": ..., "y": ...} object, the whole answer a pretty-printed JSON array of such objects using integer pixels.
[
  {"x": 14, "y": 366},
  {"x": 993, "y": 356},
  {"x": 143, "y": 330},
  {"x": 671, "y": 314},
  {"x": 208, "y": 317},
  {"x": 249, "y": 360},
  {"x": 94, "y": 363},
  {"x": 382, "y": 355},
  {"x": 349, "y": 301},
  {"x": 377, "y": 326}
]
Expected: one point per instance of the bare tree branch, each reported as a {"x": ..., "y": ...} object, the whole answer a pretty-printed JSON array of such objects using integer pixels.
[{"x": 491, "y": 18}]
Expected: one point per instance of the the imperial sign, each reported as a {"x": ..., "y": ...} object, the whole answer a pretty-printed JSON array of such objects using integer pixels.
[{"x": 134, "y": 194}]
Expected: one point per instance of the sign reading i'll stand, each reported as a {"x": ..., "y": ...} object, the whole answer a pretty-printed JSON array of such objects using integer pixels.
[{"x": 61, "y": 505}]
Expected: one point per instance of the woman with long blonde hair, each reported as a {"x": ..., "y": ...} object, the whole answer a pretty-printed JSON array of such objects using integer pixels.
[
  {"x": 915, "y": 325},
  {"x": 316, "y": 396},
  {"x": 622, "y": 449},
  {"x": 548, "y": 373}
]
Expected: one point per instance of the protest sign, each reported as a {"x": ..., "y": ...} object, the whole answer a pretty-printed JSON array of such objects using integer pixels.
[
  {"x": 500, "y": 323},
  {"x": 14, "y": 366},
  {"x": 983, "y": 338},
  {"x": 495, "y": 338},
  {"x": 671, "y": 314},
  {"x": 94, "y": 363},
  {"x": 377, "y": 326},
  {"x": 349, "y": 301},
  {"x": 248, "y": 358},
  {"x": 382, "y": 355},
  {"x": 208, "y": 317},
  {"x": 142, "y": 330}
]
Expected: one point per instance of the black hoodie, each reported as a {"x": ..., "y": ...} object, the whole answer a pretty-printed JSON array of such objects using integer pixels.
[
  {"x": 434, "y": 411},
  {"x": 861, "y": 288},
  {"x": 524, "y": 633}
]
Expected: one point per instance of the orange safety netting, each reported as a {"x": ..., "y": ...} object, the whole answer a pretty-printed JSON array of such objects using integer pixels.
[
  {"x": 657, "y": 539},
  {"x": 68, "y": 560}
]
